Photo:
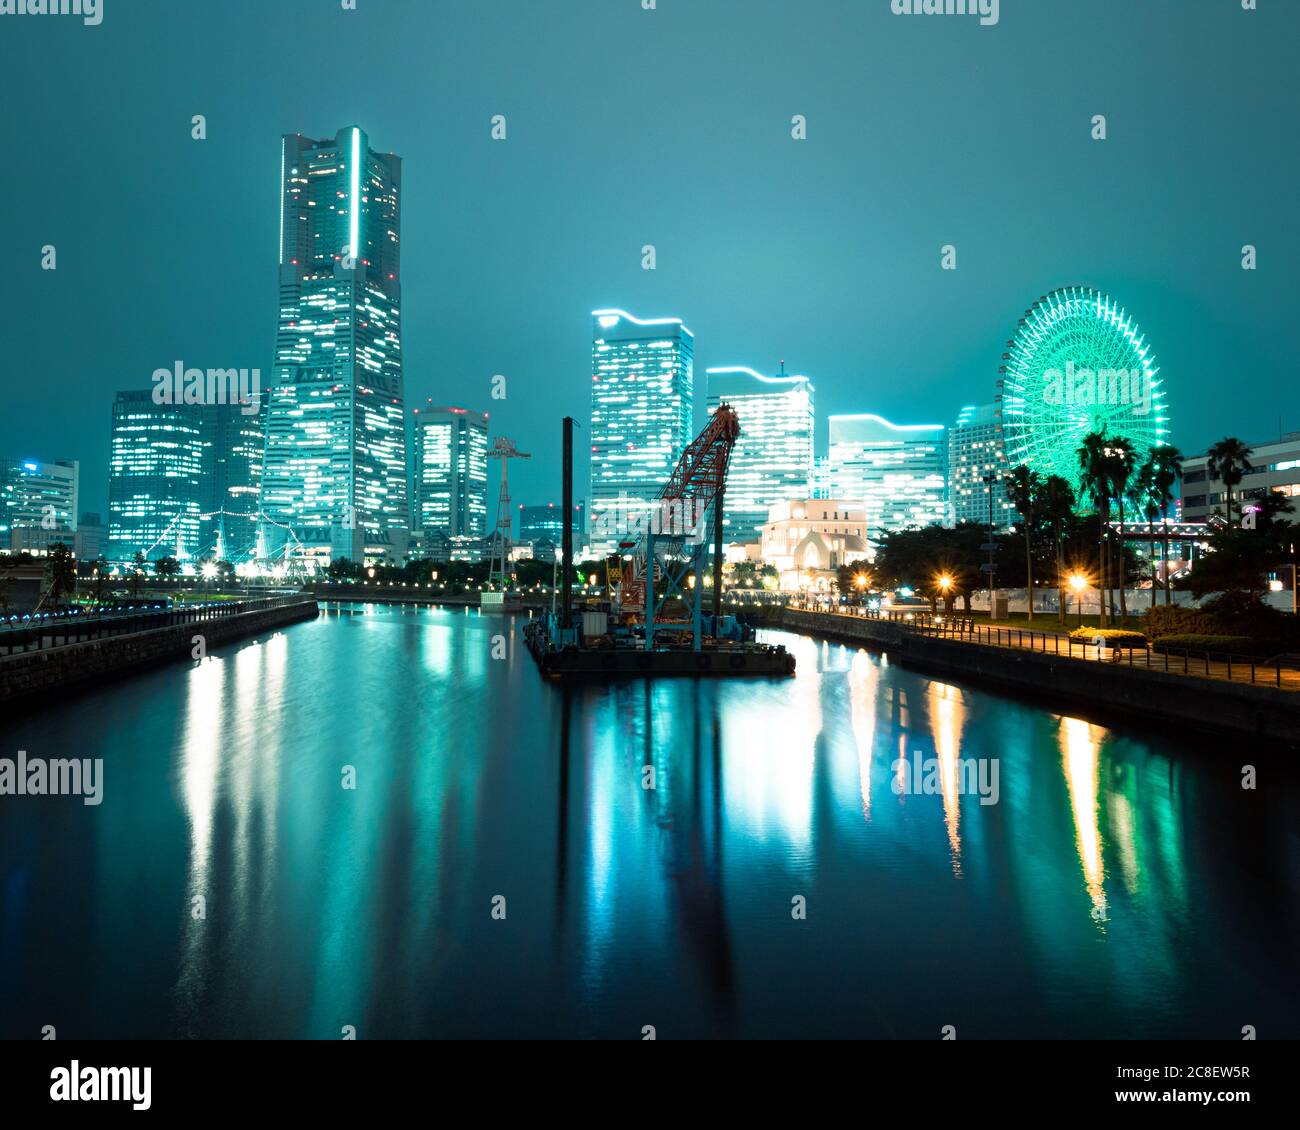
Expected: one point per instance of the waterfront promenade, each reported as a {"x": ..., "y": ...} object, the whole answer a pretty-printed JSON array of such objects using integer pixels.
[
  {"x": 1281, "y": 672},
  {"x": 1198, "y": 690}
]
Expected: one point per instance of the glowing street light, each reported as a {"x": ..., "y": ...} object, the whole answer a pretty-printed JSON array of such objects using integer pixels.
[{"x": 1078, "y": 582}]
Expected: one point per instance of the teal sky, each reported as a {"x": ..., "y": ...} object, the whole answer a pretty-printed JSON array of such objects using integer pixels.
[{"x": 669, "y": 127}]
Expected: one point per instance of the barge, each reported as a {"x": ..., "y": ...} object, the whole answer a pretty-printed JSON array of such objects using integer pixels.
[{"x": 610, "y": 658}]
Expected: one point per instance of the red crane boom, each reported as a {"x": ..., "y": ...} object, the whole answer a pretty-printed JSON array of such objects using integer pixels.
[
  {"x": 701, "y": 472},
  {"x": 694, "y": 486}
]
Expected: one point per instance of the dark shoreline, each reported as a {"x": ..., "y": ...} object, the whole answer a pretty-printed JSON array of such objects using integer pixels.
[
  {"x": 39, "y": 678},
  {"x": 1149, "y": 698}
]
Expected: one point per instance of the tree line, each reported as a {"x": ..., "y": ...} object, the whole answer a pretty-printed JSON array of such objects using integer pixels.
[{"x": 1062, "y": 534}]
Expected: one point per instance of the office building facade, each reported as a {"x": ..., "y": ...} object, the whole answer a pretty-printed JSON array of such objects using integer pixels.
[
  {"x": 976, "y": 450},
  {"x": 155, "y": 478},
  {"x": 1275, "y": 467},
  {"x": 449, "y": 481},
  {"x": 898, "y": 471},
  {"x": 546, "y": 523},
  {"x": 334, "y": 479},
  {"x": 38, "y": 503},
  {"x": 234, "y": 444},
  {"x": 773, "y": 458},
  {"x": 642, "y": 407}
]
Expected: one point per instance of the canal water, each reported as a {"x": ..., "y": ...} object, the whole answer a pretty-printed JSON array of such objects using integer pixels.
[{"x": 502, "y": 869}]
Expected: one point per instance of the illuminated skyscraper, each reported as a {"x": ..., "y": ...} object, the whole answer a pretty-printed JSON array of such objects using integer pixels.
[
  {"x": 38, "y": 503},
  {"x": 450, "y": 481},
  {"x": 234, "y": 444},
  {"x": 821, "y": 477},
  {"x": 898, "y": 471},
  {"x": 773, "y": 459},
  {"x": 335, "y": 472},
  {"x": 975, "y": 449},
  {"x": 155, "y": 478},
  {"x": 642, "y": 402}
]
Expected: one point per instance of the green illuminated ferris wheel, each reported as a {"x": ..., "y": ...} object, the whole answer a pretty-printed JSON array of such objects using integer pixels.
[{"x": 1077, "y": 364}]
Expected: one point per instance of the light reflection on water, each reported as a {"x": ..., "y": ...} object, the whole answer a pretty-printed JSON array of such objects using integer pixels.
[{"x": 1067, "y": 908}]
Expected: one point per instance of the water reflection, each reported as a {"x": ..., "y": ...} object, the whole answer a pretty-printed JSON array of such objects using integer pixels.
[
  {"x": 946, "y": 717},
  {"x": 199, "y": 757},
  {"x": 1080, "y": 749},
  {"x": 629, "y": 905},
  {"x": 864, "y": 682}
]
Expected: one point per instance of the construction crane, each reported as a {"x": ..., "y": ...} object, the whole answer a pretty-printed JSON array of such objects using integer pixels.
[
  {"x": 675, "y": 544},
  {"x": 505, "y": 450}
]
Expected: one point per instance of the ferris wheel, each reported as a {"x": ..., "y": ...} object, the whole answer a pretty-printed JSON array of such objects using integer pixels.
[{"x": 1078, "y": 364}]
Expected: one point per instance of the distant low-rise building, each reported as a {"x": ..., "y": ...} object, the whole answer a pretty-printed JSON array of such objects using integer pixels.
[
  {"x": 809, "y": 540},
  {"x": 546, "y": 524},
  {"x": 1276, "y": 467},
  {"x": 91, "y": 537}
]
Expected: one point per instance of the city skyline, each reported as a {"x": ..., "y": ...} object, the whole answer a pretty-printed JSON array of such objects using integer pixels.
[
  {"x": 617, "y": 519},
  {"x": 905, "y": 475},
  {"x": 1152, "y": 244}
]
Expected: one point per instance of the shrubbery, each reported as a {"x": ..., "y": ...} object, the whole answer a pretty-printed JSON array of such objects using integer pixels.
[
  {"x": 1232, "y": 645},
  {"x": 1113, "y": 637},
  {"x": 1232, "y": 614}
]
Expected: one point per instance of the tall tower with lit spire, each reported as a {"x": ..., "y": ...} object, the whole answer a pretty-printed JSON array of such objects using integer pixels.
[{"x": 334, "y": 479}]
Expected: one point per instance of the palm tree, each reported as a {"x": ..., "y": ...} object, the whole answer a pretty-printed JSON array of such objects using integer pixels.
[
  {"x": 1120, "y": 458},
  {"x": 1168, "y": 462},
  {"x": 1095, "y": 479},
  {"x": 1022, "y": 487},
  {"x": 1229, "y": 460},
  {"x": 1056, "y": 504},
  {"x": 1143, "y": 497}
]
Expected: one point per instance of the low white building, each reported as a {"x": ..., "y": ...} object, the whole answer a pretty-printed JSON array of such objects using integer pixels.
[
  {"x": 1275, "y": 467},
  {"x": 809, "y": 540}
]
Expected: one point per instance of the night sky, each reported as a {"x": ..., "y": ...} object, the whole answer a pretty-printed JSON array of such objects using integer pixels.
[{"x": 669, "y": 127}]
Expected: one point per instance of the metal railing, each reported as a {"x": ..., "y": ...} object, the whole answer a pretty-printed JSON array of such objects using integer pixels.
[
  {"x": 1233, "y": 667},
  {"x": 43, "y": 631}
]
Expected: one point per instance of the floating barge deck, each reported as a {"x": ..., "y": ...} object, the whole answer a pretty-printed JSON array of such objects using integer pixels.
[{"x": 608, "y": 661}]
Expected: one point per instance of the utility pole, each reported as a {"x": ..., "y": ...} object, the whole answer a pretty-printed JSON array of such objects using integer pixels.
[
  {"x": 566, "y": 538},
  {"x": 991, "y": 546},
  {"x": 717, "y": 562}
]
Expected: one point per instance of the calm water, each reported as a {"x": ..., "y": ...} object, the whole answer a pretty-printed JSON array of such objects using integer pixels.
[{"x": 1124, "y": 885}]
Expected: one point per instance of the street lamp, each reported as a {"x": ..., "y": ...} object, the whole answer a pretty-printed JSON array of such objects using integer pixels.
[
  {"x": 945, "y": 585},
  {"x": 1078, "y": 582},
  {"x": 989, "y": 481}
]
